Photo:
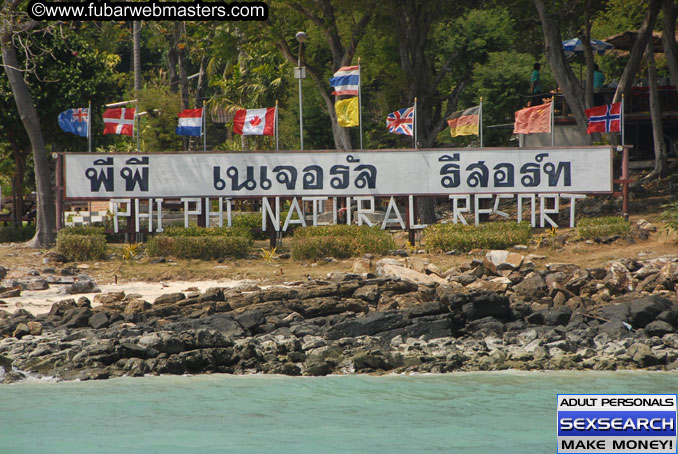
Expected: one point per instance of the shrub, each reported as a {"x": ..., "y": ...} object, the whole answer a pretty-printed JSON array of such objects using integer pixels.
[
  {"x": 76, "y": 246},
  {"x": 207, "y": 247},
  {"x": 82, "y": 230},
  {"x": 16, "y": 234},
  {"x": 195, "y": 231},
  {"x": 590, "y": 228},
  {"x": 460, "y": 237},
  {"x": 252, "y": 223},
  {"x": 340, "y": 241},
  {"x": 670, "y": 217}
]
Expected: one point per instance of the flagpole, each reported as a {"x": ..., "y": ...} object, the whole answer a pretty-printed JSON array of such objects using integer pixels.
[
  {"x": 415, "y": 123},
  {"x": 136, "y": 118},
  {"x": 622, "y": 120},
  {"x": 204, "y": 129},
  {"x": 480, "y": 123},
  {"x": 360, "y": 108},
  {"x": 276, "y": 125},
  {"x": 89, "y": 126},
  {"x": 553, "y": 121}
]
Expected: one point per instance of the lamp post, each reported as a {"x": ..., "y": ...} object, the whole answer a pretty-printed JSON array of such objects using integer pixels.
[{"x": 300, "y": 73}]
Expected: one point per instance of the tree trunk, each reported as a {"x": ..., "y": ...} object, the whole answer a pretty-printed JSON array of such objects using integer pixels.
[
  {"x": 637, "y": 51},
  {"x": 136, "y": 41},
  {"x": 18, "y": 188},
  {"x": 46, "y": 220},
  {"x": 172, "y": 65},
  {"x": 201, "y": 87},
  {"x": 655, "y": 113},
  {"x": 588, "y": 55},
  {"x": 669, "y": 39},
  {"x": 562, "y": 72}
]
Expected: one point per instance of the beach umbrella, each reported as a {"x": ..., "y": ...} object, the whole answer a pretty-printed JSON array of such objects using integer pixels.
[{"x": 574, "y": 46}]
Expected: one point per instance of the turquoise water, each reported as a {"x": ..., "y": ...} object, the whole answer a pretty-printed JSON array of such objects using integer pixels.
[{"x": 485, "y": 412}]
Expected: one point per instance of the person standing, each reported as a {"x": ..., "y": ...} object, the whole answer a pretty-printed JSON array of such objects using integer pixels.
[
  {"x": 535, "y": 84},
  {"x": 598, "y": 82}
]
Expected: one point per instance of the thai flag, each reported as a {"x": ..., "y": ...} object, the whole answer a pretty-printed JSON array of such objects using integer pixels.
[
  {"x": 190, "y": 123},
  {"x": 346, "y": 81}
]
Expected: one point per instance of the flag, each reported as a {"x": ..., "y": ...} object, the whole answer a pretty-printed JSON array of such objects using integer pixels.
[
  {"x": 347, "y": 112},
  {"x": 464, "y": 122},
  {"x": 346, "y": 81},
  {"x": 533, "y": 120},
  {"x": 75, "y": 121},
  {"x": 190, "y": 123},
  {"x": 401, "y": 121},
  {"x": 605, "y": 118},
  {"x": 119, "y": 121},
  {"x": 254, "y": 122}
]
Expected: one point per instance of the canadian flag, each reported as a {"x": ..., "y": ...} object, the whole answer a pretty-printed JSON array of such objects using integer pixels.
[
  {"x": 254, "y": 122},
  {"x": 119, "y": 121}
]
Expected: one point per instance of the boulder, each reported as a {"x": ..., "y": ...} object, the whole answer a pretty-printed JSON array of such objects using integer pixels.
[
  {"x": 3, "y": 272},
  {"x": 658, "y": 328},
  {"x": 369, "y": 293},
  {"x": 98, "y": 320},
  {"x": 486, "y": 304},
  {"x": 409, "y": 275},
  {"x": 137, "y": 306},
  {"x": 169, "y": 298},
  {"x": 642, "y": 355},
  {"x": 251, "y": 319},
  {"x": 498, "y": 261},
  {"x": 10, "y": 293},
  {"x": 361, "y": 265},
  {"x": 109, "y": 298},
  {"x": 21, "y": 330},
  {"x": 567, "y": 268},
  {"x": 497, "y": 285},
  {"x": 83, "y": 286},
  {"x": 35, "y": 328},
  {"x": 644, "y": 310},
  {"x": 642, "y": 224},
  {"x": 35, "y": 284},
  {"x": 557, "y": 316},
  {"x": 77, "y": 317},
  {"x": 618, "y": 278},
  {"x": 532, "y": 287}
]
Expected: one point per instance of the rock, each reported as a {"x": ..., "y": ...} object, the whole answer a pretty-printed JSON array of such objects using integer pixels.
[
  {"x": 56, "y": 257},
  {"x": 21, "y": 330},
  {"x": 614, "y": 329},
  {"x": 169, "y": 298},
  {"x": 137, "y": 306},
  {"x": 497, "y": 285},
  {"x": 11, "y": 293},
  {"x": 567, "y": 268},
  {"x": 642, "y": 355},
  {"x": 642, "y": 224},
  {"x": 369, "y": 293},
  {"x": 77, "y": 317},
  {"x": 34, "y": 328},
  {"x": 36, "y": 284},
  {"x": 3, "y": 272},
  {"x": 618, "y": 278},
  {"x": 644, "y": 310},
  {"x": 557, "y": 316},
  {"x": 532, "y": 287},
  {"x": 486, "y": 304},
  {"x": 369, "y": 361},
  {"x": 251, "y": 319},
  {"x": 409, "y": 275},
  {"x": 318, "y": 368},
  {"x": 369, "y": 325},
  {"x": 98, "y": 320},
  {"x": 86, "y": 286},
  {"x": 109, "y": 298},
  {"x": 658, "y": 328},
  {"x": 361, "y": 265},
  {"x": 497, "y": 261}
]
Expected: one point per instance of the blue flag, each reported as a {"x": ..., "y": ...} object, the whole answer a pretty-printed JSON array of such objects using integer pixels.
[{"x": 75, "y": 121}]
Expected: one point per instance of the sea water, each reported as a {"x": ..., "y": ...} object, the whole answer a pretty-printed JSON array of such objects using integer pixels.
[{"x": 484, "y": 412}]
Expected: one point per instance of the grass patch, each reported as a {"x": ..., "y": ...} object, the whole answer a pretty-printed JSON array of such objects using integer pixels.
[
  {"x": 339, "y": 241},
  {"x": 460, "y": 237},
  {"x": 16, "y": 234},
  {"x": 591, "y": 228},
  {"x": 82, "y": 243},
  {"x": 206, "y": 247}
]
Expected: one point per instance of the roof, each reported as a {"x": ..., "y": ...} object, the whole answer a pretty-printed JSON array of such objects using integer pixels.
[{"x": 625, "y": 40}]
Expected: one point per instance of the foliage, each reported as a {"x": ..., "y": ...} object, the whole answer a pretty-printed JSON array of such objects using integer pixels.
[
  {"x": 590, "y": 228},
  {"x": 670, "y": 217},
  {"x": 16, "y": 234},
  {"x": 252, "y": 223},
  {"x": 81, "y": 246},
  {"x": 460, "y": 237},
  {"x": 340, "y": 241},
  {"x": 268, "y": 254},
  {"x": 131, "y": 250},
  {"x": 82, "y": 230},
  {"x": 195, "y": 231},
  {"x": 198, "y": 247}
]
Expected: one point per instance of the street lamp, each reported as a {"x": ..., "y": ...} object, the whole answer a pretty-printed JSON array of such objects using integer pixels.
[{"x": 300, "y": 73}]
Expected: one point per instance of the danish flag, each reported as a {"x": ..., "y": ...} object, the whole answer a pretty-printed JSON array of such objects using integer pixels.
[{"x": 119, "y": 121}]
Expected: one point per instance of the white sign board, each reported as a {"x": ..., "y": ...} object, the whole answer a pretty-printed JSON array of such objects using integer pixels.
[{"x": 355, "y": 173}]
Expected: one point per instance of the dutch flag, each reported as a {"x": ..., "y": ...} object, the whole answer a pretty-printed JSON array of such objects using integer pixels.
[
  {"x": 190, "y": 122},
  {"x": 346, "y": 81}
]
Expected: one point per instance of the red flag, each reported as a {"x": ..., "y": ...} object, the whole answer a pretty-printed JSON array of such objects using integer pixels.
[
  {"x": 119, "y": 121},
  {"x": 605, "y": 118},
  {"x": 254, "y": 122},
  {"x": 532, "y": 120}
]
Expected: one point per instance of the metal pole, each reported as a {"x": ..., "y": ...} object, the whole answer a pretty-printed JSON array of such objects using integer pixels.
[
  {"x": 415, "y": 123},
  {"x": 625, "y": 183},
  {"x": 480, "y": 123},
  {"x": 204, "y": 128},
  {"x": 360, "y": 106},
  {"x": 276, "y": 124},
  {"x": 60, "y": 191},
  {"x": 553, "y": 121},
  {"x": 136, "y": 118},
  {"x": 89, "y": 126},
  {"x": 622, "y": 121},
  {"x": 301, "y": 106}
]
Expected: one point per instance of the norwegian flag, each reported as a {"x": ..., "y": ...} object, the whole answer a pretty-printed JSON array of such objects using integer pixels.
[
  {"x": 119, "y": 121},
  {"x": 605, "y": 118},
  {"x": 401, "y": 121}
]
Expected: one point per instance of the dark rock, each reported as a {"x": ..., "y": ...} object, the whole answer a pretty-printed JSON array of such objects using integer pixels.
[
  {"x": 287, "y": 369},
  {"x": 558, "y": 316},
  {"x": 486, "y": 325},
  {"x": 83, "y": 301},
  {"x": 251, "y": 319},
  {"x": 429, "y": 308},
  {"x": 658, "y": 328},
  {"x": 369, "y": 293},
  {"x": 21, "y": 330},
  {"x": 645, "y": 310},
  {"x": 3, "y": 272},
  {"x": 486, "y": 304},
  {"x": 520, "y": 310},
  {"x": 618, "y": 311},
  {"x": 130, "y": 350},
  {"x": 368, "y": 325},
  {"x": 670, "y": 317},
  {"x": 532, "y": 287},
  {"x": 60, "y": 307},
  {"x": 615, "y": 329},
  {"x": 535, "y": 318},
  {"x": 369, "y": 361},
  {"x": 158, "y": 260},
  {"x": 643, "y": 355},
  {"x": 10, "y": 293},
  {"x": 449, "y": 296},
  {"x": 99, "y": 320},
  {"x": 77, "y": 317},
  {"x": 35, "y": 284},
  {"x": 169, "y": 298},
  {"x": 430, "y": 327},
  {"x": 318, "y": 368},
  {"x": 86, "y": 286}
]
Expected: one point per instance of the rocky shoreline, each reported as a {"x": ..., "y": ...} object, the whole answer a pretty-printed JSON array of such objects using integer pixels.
[{"x": 394, "y": 315}]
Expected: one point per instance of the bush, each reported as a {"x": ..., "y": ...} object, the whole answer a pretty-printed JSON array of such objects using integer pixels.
[
  {"x": 207, "y": 247},
  {"x": 77, "y": 246},
  {"x": 195, "y": 231},
  {"x": 252, "y": 223},
  {"x": 590, "y": 228},
  {"x": 670, "y": 217},
  {"x": 340, "y": 241},
  {"x": 460, "y": 237},
  {"x": 82, "y": 230},
  {"x": 16, "y": 234}
]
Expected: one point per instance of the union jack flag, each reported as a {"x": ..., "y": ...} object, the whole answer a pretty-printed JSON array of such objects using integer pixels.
[{"x": 401, "y": 121}]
